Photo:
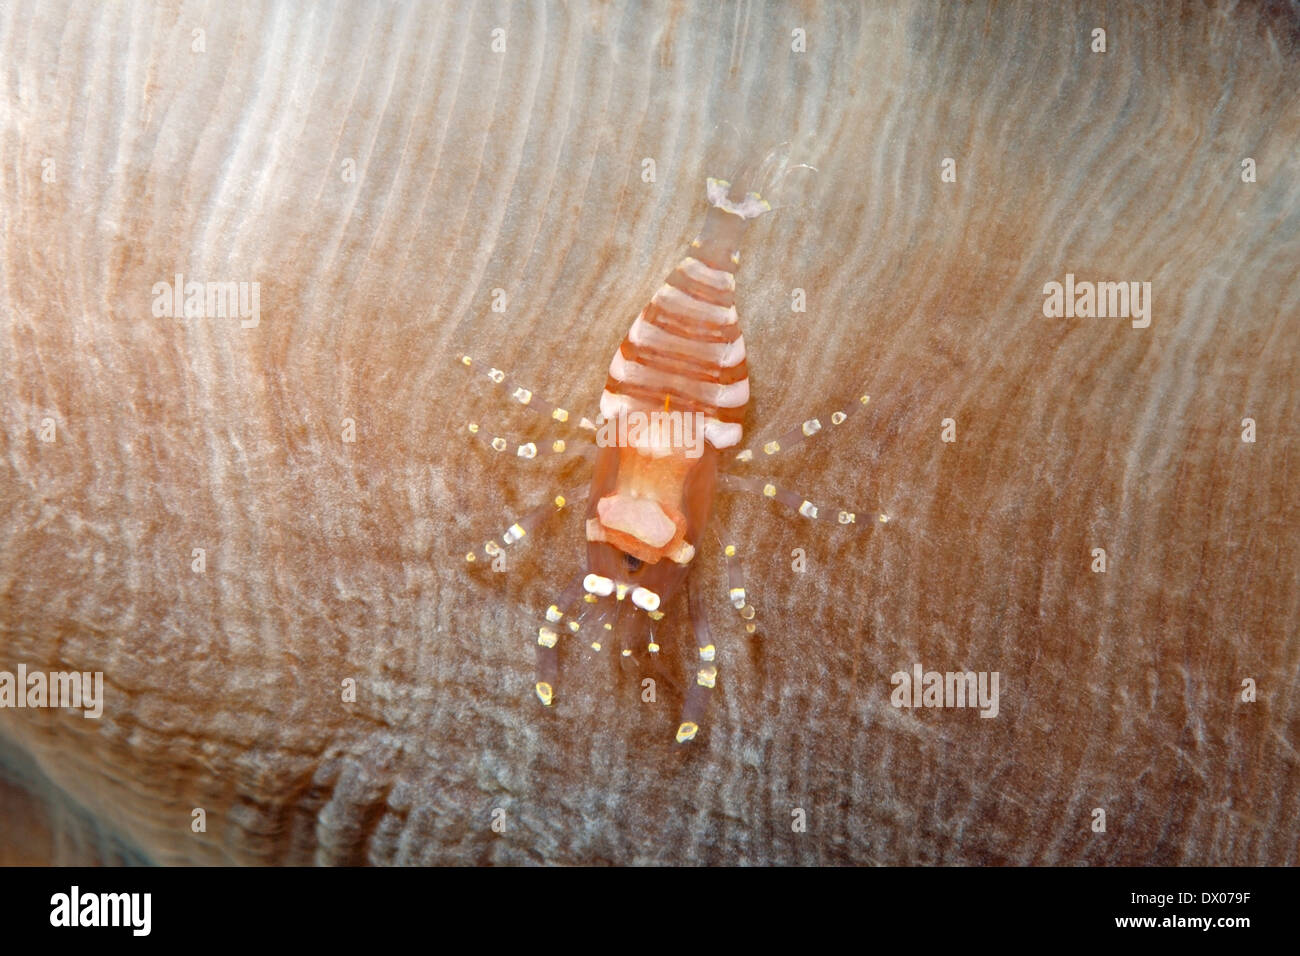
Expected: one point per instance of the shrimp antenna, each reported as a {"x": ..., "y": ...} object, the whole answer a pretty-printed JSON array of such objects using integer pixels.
[{"x": 766, "y": 177}]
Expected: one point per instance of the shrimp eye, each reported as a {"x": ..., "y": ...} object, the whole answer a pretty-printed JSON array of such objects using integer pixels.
[{"x": 633, "y": 562}]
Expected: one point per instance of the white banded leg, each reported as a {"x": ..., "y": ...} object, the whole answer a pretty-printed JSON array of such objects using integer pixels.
[
  {"x": 793, "y": 501},
  {"x": 597, "y": 622},
  {"x": 548, "y": 636},
  {"x": 529, "y": 450},
  {"x": 631, "y": 626},
  {"x": 524, "y": 396},
  {"x": 628, "y": 626},
  {"x": 652, "y": 643},
  {"x": 801, "y": 433},
  {"x": 704, "y": 677},
  {"x": 521, "y": 529},
  {"x": 655, "y": 615},
  {"x": 626, "y": 596},
  {"x": 736, "y": 592}
]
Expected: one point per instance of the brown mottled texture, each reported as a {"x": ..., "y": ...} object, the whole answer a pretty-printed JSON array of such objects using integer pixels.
[{"x": 521, "y": 171}]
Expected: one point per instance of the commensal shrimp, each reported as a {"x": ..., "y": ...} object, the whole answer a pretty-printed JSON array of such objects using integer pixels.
[{"x": 674, "y": 401}]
